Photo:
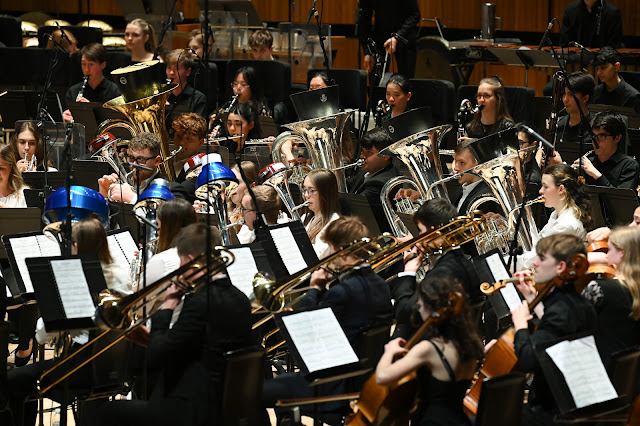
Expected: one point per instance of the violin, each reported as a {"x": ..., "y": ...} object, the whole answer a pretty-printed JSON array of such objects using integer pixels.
[
  {"x": 501, "y": 358},
  {"x": 391, "y": 404}
]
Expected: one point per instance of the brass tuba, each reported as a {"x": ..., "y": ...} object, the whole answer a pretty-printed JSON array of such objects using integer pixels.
[
  {"x": 142, "y": 103},
  {"x": 420, "y": 153}
]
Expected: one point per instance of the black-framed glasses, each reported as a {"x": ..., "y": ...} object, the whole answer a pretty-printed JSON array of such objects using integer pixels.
[
  {"x": 600, "y": 137},
  {"x": 140, "y": 160},
  {"x": 243, "y": 210}
]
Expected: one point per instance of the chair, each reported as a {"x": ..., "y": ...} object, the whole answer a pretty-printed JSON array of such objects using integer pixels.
[
  {"x": 631, "y": 77},
  {"x": 624, "y": 371},
  {"x": 276, "y": 77},
  {"x": 11, "y": 31},
  {"x": 519, "y": 101},
  {"x": 438, "y": 94},
  {"x": 353, "y": 85},
  {"x": 200, "y": 83},
  {"x": 242, "y": 387},
  {"x": 501, "y": 401}
]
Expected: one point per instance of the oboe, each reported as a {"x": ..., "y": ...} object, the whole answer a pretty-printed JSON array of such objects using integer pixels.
[{"x": 81, "y": 92}]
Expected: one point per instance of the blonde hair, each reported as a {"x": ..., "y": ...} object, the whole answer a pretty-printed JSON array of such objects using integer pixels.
[
  {"x": 150, "y": 44},
  {"x": 627, "y": 239},
  {"x": 7, "y": 153}
]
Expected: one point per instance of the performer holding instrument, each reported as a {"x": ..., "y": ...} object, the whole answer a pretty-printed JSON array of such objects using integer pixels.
[
  {"x": 321, "y": 191},
  {"x": 494, "y": 115},
  {"x": 398, "y": 94},
  {"x": 11, "y": 183},
  {"x": 140, "y": 39},
  {"x": 28, "y": 147}
]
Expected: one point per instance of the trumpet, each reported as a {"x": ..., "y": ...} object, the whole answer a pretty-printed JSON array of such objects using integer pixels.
[
  {"x": 81, "y": 92},
  {"x": 117, "y": 312}
]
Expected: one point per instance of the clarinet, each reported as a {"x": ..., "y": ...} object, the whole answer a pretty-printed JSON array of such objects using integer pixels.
[
  {"x": 217, "y": 123},
  {"x": 84, "y": 84}
]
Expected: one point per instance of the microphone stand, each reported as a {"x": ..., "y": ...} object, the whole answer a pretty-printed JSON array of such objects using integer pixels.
[
  {"x": 321, "y": 38},
  {"x": 165, "y": 28},
  {"x": 373, "y": 81}
]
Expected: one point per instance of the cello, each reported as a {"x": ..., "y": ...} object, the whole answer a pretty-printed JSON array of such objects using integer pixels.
[
  {"x": 501, "y": 358},
  {"x": 391, "y": 404}
]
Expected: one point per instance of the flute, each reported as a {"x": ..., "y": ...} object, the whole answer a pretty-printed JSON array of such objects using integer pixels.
[{"x": 81, "y": 92}]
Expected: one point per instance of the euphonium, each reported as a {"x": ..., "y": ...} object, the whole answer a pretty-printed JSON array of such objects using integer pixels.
[
  {"x": 143, "y": 108},
  {"x": 419, "y": 152},
  {"x": 117, "y": 312}
]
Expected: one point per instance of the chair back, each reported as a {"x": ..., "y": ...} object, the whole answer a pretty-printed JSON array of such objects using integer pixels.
[
  {"x": 624, "y": 372},
  {"x": 501, "y": 401},
  {"x": 438, "y": 94},
  {"x": 353, "y": 86},
  {"x": 200, "y": 82},
  {"x": 11, "y": 31},
  {"x": 275, "y": 75},
  {"x": 242, "y": 388},
  {"x": 519, "y": 101}
]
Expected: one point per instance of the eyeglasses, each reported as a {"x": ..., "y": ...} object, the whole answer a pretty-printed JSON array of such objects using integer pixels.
[
  {"x": 140, "y": 160},
  {"x": 241, "y": 85},
  {"x": 309, "y": 191},
  {"x": 484, "y": 96},
  {"x": 600, "y": 137}
]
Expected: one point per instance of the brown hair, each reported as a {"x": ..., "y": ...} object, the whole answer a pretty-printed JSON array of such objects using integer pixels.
[
  {"x": 327, "y": 187},
  {"x": 150, "y": 45},
  {"x": 146, "y": 140},
  {"x": 198, "y": 36},
  {"x": 576, "y": 198},
  {"x": 345, "y": 230},
  {"x": 90, "y": 237},
  {"x": 561, "y": 246},
  {"x": 627, "y": 239},
  {"x": 191, "y": 124},
  {"x": 268, "y": 202},
  {"x": 94, "y": 52},
  {"x": 460, "y": 328},
  {"x": 261, "y": 38},
  {"x": 502, "y": 109},
  {"x": 183, "y": 56},
  {"x": 16, "y": 182},
  {"x": 30, "y": 126},
  {"x": 192, "y": 239},
  {"x": 173, "y": 215}
]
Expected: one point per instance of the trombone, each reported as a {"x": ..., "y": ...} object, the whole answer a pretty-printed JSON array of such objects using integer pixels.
[{"x": 117, "y": 312}]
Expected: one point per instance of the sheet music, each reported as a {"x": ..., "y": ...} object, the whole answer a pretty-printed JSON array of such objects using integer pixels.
[
  {"x": 288, "y": 249},
  {"x": 586, "y": 377},
  {"x": 320, "y": 340},
  {"x": 242, "y": 271},
  {"x": 31, "y": 246},
  {"x": 122, "y": 247},
  {"x": 73, "y": 288},
  {"x": 510, "y": 296},
  {"x": 499, "y": 272}
]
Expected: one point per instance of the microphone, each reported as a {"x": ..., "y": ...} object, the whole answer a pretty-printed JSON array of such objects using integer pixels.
[
  {"x": 63, "y": 34},
  {"x": 546, "y": 33},
  {"x": 313, "y": 8},
  {"x": 579, "y": 46},
  {"x": 537, "y": 136}
]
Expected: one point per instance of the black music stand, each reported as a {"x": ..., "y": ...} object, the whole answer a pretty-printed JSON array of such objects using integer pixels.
[
  {"x": 18, "y": 105},
  {"x": 91, "y": 114},
  {"x": 234, "y": 6},
  {"x": 35, "y": 180},
  {"x": 357, "y": 205},
  {"x": 268, "y": 126},
  {"x": 125, "y": 218},
  {"x": 242, "y": 274},
  {"x": 17, "y": 221},
  {"x": 277, "y": 258},
  {"x": 612, "y": 206},
  {"x": 54, "y": 295},
  {"x": 87, "y": 172}
]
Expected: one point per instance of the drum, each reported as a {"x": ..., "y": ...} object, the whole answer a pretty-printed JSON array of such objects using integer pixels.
[{"x": 434, "y": 59}]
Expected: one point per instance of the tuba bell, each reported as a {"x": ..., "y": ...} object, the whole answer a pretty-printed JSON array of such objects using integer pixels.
[{"x": 142, "y": 103}]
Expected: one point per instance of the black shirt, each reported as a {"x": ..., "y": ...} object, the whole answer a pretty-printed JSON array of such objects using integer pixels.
[
  {"x": 193, "y": 99},
  {"x": 578, "y": 24},
  {"x": 623, "y": 95},
  {"x": 400, "y": 16},
  {"x": 568, "y": 133},
  {"x": 104, "y": 92},
  {"x": 486, "y": 130},
  {"x": 619, "y": 171}
]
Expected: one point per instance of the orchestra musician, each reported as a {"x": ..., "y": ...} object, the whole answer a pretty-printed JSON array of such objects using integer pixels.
[
  {"x": 190, "y": 131},
  {"x": 374, "y": 173},
  {"x": 261, "y": 45},
  {"x": 27, "y": 142},
  {"x": 360, "y": 300},
  {"x": 144, "y": 150},
  {"x": 532, "y": 172},
  {"x": 562, "y": 313},
  {"x": 617, "y": 300},
  {"x": 601, "y": 234},
  {"x": 320, "y": 189},
  {"x": 96, "y": 88},
  {"x": 613, "y": 90},
  {"x": 398, "y": 95},
  {"x": 242, "y": 121},
  {"x": 180, "y": 63},
  {"x": 11, "y": 184},
  {"x": 567, "y": 197},
  {"x": 445, "y": 359},
  {"x": 140, "y": 39},
  {"x": 320, "y": 80},
  {"x": 608, "y": 165},
  {"x": 568, "y": 127},
  {"x": 196, "y": 42},
  {"x": 494, "y": 116},
  {"x": 189, "y": 355},
  {"x": 89, "y": 237},
  {"x": 235, "y": 193},
  {"x": 580, "y": 24},
  {"x": 268, "y": 204}
]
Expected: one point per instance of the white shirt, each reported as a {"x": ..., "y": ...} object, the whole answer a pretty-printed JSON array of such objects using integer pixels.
[
  {"x": 567, "y": 221},
  {"x": 320, "y": 246},
  {"x": 15, "y": 200},
  {"x": 466, "y": 190},
  {"x": 160, "y": 265}
]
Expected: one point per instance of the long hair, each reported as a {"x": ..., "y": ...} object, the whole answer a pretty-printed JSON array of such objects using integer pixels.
[
  {"x": 460, "y": 329},
  {"x": 90, "y": 237},
  {"x": 258, "y": 101},
  {"x": 576, "y": 198},
  {"x": 15, "y": 177},
  {"x": 502, "y": 110},
  {"x": 150, "y": 44},
  {"x": 327, "y": 186},
  {"x": 627, "y": 239},
  {"x": 250, "y": 114},
  {"x": 174, "y": 215},
  {"x": 30, "y": 126}
]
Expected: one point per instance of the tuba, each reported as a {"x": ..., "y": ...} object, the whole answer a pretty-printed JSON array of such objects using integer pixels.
[
  {"x": 275, "y": 175},
  {"x": 420, "y": 153},
  {"x": 142, "y": 103}
]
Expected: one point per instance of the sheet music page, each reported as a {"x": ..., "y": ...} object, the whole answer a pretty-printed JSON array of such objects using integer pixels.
[
  {"x": 122, "y": 247},
  {"x": 73, "y": 288},
  {"x": 510, "y": 296},
  {"x": 242, "y": 271},
  {"x": 320, "y": 340},
  {"x": 497, "y": 268},
  {"x": 288, "y": 249},
  {"x": 24, "y": 247},
  {"x": 586, "y": 377}
]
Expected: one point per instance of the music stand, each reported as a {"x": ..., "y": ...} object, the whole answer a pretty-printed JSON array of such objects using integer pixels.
[
  {"x": 612, "y": 206},
  {"x": 234, "y": 6},
  {"x": 357, "y": 205},
  {"x": 288, "y": 246},
  {"x": 18, "y": 105},
  {"x": 66, "y": 303},
  {"x": 18, "y": 221},
  {"x": 87, "y": 172},
  {"x": 125, "y": 218},
  {"x": 268, "y": 126},
  {"x": 91, "y": 114},
  {"x": 35, "y": 180},
  {"x": 250, "y": 259}
]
